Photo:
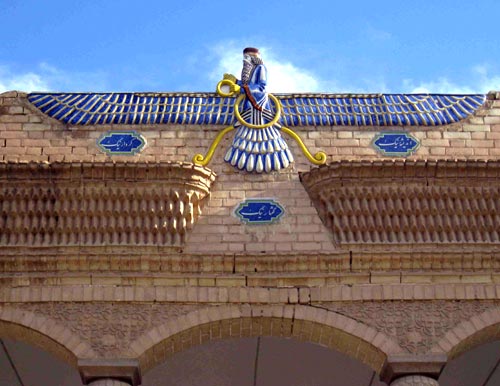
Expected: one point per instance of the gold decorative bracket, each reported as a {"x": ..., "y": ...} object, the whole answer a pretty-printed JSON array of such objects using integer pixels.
[
  {"x": 317, "y": 159},
  {"x": 201, "y": 160}
]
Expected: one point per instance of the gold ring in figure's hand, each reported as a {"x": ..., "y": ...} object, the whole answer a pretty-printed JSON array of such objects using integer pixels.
[{"x": 226, "y": 84}]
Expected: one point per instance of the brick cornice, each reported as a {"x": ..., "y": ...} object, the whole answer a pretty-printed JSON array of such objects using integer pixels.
[
  {"x": 183, "y": 293},
  {"x": 376, "y": 260},
  {"x": 91, "y": 204},
  {"x": 342, "y": 173},
  {"x": 177, "y": 174},
  {"x": 408, "y": 202}
]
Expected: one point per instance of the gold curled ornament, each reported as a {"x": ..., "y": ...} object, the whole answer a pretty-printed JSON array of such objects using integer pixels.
[{"x": 229, "y": 81}]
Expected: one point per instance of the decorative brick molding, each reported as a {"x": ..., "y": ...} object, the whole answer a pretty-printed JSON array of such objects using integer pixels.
[
  {"x": 97, "y": 333},
  {"x": 230, "y": 290},
  {"x": 100, "y": 203},
  {"x": 417, "y": 326},
  {"x": 43, "y": 332},
  {"x": 408, "y": 202},
  {"x": 108, "y": 327},
  {"x": 483, "y": 327},
  {"x": 377, "y": 264},
  {"x": 393, "y": 338}
]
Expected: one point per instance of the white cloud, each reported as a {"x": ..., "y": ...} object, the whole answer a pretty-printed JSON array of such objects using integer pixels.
[
  {"x": 49, "y": 78},
  {"x": 28, "y": 81},
  {"x": 486, "y": 81},
  {"x": 440, "y": 86},
  {"x": 283, "y": 76},
  {"x": 480, "y": 81}
]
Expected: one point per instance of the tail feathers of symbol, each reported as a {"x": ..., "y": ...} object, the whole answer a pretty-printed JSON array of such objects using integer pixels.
[{"x": 259, "y": 150}]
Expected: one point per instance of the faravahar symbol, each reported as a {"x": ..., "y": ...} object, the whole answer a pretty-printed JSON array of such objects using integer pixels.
[{"x": 257, "y": 145}]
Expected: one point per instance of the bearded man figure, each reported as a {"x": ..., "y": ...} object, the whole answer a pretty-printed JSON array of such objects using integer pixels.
[{"x": 257, "y": 149}]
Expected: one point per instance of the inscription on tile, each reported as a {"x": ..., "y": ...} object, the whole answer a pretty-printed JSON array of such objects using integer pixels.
[
  {"x": 121, "y": 142},
  {"x": 259, "y": 211},
  {"x": 395, "y": 144}
]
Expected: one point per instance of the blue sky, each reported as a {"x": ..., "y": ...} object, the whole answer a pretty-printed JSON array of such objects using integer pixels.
[{"x": 438, "y": 46}]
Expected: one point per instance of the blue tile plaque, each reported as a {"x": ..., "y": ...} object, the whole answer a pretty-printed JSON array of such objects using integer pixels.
[
  {"x": 259, "y": 211},
  {"x": 122, "y": 142},
  {"x": 395, "y": 144}
]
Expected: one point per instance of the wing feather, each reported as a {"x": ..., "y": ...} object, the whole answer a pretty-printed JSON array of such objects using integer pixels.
[{"x": 298, "y": 110}]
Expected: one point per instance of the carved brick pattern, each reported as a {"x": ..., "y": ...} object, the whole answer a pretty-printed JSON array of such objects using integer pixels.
[
  {"x": 100, "y": 204},
  {"x": 415, "y": 380},
  {"x": 109, "y": 328},
  {"x": 408, "y": 203},
  {"x": 418, "y": 325},
  {"x": 413, "y": 214}
]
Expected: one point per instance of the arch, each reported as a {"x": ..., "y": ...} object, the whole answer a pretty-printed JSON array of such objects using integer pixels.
[
  {"x": 304, "y": 323},
  {"x": 44, "y": 333},
  {"x": 479, "y": 329}
]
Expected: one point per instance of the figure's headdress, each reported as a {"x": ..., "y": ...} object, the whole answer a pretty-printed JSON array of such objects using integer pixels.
[
  {"x": 250, "y": 63},
  {"x": 251, "y": 51}
]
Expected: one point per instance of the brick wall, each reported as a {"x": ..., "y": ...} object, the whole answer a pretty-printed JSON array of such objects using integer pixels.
[{"x": 26, "y": 135}]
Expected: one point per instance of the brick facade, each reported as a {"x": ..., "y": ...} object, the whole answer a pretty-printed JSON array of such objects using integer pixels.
[{"x": 82, "y": 234}]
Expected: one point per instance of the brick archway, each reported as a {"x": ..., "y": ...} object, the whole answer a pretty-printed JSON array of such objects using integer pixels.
[
  {"x": 479, "y": 329},
  {"x": 304, "y": 323},
  {"x": 44, "y": 333}
]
